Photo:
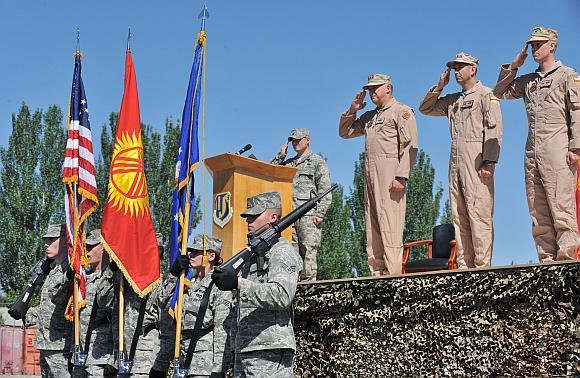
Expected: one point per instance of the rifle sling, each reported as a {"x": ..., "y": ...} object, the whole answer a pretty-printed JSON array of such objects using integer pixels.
[
  {"x": 138, "y": 328},
  {"x": 198, "y": 333},
  {"x": 91, "y": 325}
]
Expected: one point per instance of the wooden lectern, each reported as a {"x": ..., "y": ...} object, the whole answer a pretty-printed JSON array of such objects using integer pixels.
[{"x": 235, "y": 178}]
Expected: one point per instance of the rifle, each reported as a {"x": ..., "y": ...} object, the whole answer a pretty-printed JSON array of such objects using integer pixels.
[
  {"x": 37, "y": 276},
  {"x": 262, "y": 242}
]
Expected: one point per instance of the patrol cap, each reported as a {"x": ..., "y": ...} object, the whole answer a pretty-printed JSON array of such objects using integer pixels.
[
  {"x": 54, "y": 231},
  {"x": 258, "y": 204},
  {"x": 94, "y": 237},
  {"x": 541, "y": 33},
  {"x": 377, "y": 79},
  {"x": 212, "y": 243},
  {"x": 299, "y": 134},
  {"x": 464, "y": 58}
]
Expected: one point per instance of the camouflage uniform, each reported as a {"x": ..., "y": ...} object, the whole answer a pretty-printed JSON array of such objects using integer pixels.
[
  {"x": 147, "y": 346},
  {"x": 265, "y": 314},
  {"x": 312, "y": 176},
  {"x": 157, "y": 316},
  {"x": 264, "y": 344},
  {"x": 53, "y": 332},
  {"x": 212, "y": 351},
  {"x": 99, "y": 293}
]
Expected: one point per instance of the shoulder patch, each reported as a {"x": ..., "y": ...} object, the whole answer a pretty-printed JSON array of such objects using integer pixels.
[
  {"x": 577, "y": 80},
  {"x": 493, "y": 98},
  {"x": 406, "y": 114}
]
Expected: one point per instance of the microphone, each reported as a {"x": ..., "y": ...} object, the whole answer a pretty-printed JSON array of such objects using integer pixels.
[{"x": 244, "y": 149}]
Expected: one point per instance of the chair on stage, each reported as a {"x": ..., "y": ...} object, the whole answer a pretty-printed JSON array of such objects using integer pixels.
[{"x": 442, "y": 253}]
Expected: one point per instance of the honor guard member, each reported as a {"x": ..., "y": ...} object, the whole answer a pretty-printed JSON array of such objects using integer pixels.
[
  {"x": 148, "y": 342},
  {"x": 552, "y": 98},
  {"x": 97, "y": 313},
  {"x": 311, "y": 179},
  {"x": 209, "y": 354},
  {"x": 476, "y": 131},
  {"x": 264, "y": 343},
  {"x": 53, "y": 331},
  {"x": 390, "y": 151},
  {"x": 159, "y": 324}
]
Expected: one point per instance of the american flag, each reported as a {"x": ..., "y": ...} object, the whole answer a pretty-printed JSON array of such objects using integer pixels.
[{"x": 78, "y": 176}]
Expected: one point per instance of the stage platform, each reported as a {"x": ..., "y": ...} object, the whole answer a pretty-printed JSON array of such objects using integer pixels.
[{"x": 519, "y": 320}]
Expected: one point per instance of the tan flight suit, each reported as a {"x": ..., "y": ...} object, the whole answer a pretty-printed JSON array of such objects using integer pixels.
[
  {"x": 476, "y": 131},
  {"x": 390, "y": 150},
  {"x": 552, "y": 102}
]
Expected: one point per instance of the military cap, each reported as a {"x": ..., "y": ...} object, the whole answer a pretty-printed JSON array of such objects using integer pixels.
[
  {"x": 377, "y": 79},
  {"x": 464, "y": 58},
  {"x": 54, "y": 231},
  {"x": 258, "y": 204},
  {"x": 94, "y": 237},
  {"x": 541, "y": 33},
  {"x": 212, "y": 243},
  {"x": 299, "y": 134}
]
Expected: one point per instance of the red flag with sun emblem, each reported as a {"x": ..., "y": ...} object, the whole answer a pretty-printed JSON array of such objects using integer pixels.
[{"x": 127, "y": 231}]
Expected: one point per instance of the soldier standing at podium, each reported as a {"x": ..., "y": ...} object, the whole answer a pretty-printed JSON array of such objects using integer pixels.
[{"x": 312, "y": 178}]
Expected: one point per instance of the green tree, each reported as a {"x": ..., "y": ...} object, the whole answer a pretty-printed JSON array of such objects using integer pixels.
[
  {"x": 102, "y": 168},
  {"x": 356, "y": 203},
  {"x": 31, "y": 193},
  {"x": 423, "y": 203},
  {"x": 446, "y": 216},
  {"x": 335, "y": 252}
]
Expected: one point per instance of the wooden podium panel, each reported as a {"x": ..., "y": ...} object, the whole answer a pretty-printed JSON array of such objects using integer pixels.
[{"x": 243, "y": 177}]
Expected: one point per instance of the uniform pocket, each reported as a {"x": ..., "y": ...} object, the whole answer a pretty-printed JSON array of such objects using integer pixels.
[
  {"x": 574, "y": 93},
  {"x": 404, "y": 136}
]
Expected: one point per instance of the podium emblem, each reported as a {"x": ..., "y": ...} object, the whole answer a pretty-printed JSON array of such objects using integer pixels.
[{"x": 222, "y": 209}]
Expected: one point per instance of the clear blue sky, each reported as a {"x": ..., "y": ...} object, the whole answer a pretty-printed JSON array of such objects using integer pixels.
[{"x": 274, "y": 66}]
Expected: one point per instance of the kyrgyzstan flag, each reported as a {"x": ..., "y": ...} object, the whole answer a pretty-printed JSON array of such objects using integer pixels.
[{"x": 127, "y": 231}]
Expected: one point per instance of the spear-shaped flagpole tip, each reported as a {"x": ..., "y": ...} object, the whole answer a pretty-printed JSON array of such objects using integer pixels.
[
  {"x": 78, "y": 49},
  {"x": 129, "y": 40},
  {"x": 203, "y": 15}
]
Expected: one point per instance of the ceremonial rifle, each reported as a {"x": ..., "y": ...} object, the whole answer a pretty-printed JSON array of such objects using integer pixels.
[
  {"x": 37, "y": 276},
  {"x": 263, "y": 241}
]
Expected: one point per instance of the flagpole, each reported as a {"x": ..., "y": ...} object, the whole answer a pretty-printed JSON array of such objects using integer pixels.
[
  {"x": 121, "y": 316},
  {"x": 79, "y": 355},
  {"x": 124, "y": 366},
  {"x": 183, "y": 251},
  {"x": 179, "y": 305},
  {"x": 76, "y": 224}
]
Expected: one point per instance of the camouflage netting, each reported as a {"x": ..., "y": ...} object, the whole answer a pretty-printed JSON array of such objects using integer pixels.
[{"x": 515, "y": 321}]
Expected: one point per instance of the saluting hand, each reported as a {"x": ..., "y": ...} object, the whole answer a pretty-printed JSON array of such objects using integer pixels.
[
  {"x": 358, "y": 102},
  {"x": 520, "y": 58},
  {"x": 443, "y": 80},
  {"x": 284, "y": 149}
]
